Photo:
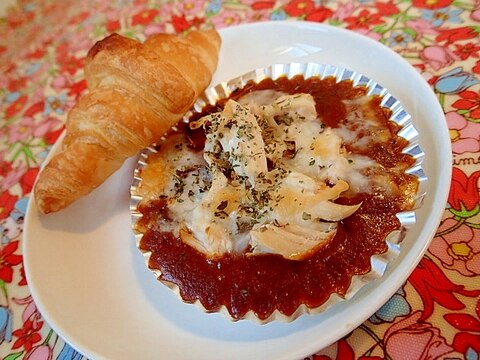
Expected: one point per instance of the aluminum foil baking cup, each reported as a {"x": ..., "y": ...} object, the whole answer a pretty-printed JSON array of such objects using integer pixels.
[{"x": 399, "y": 116}]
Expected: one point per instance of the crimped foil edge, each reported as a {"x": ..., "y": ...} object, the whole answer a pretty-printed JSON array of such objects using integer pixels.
[{"x": 407, "y": 219}]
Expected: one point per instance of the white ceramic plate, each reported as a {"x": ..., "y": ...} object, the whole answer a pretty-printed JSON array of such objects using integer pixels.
[{"x": 90, "y": 281}]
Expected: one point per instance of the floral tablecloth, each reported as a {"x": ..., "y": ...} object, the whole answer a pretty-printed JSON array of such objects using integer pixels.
[{"x": 435, "y": 314}]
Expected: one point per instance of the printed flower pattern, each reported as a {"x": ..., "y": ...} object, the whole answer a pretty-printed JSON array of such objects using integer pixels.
[
  {"x": 469, "y": 103},
  {"x": 464, "y": 197},
  {"x": 455, "y": 81},
  {"x": 413, "y": 339},
  {"x": 464, "y": 134},
  {"x": 458, "y": 249},
  {"x": 7, "y": 202},
  {"x": 27, "y": 336},
  {"x": 396, "y": 306},
  {"x": 8, "y": 260},
  {"x": 434, "y": 314},
  {"x": 438, "y": 57}
]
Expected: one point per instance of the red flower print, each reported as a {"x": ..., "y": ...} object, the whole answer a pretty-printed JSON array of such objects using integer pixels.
[
  {"x": 16, "y": 106},
  {"x": 299, "y": 7},
  {"x": 35, "y": 109},
  {"x": 112, "y": 25},
  {"x": 36, "y": 54},
  {"x": 28, "y": 179},
  {"x": 364, "y": 20},
  {"x": 262, "y": 5},
  {"x": 320, "y": 14},
  {"x": 433, "y": 286},
  {"x": 5, "y": 166},
  {"x": 464, "y": 51},
  {"x": 470, "y": 100},
  {"x": 71, "y": 64},
  {"x": 183, "y": 23},
  {"x": 456, "y": 34},
  {"x": 23, "y": 278},
  {"x": 77, "y": 89},
  {"x": 7, "y": 202},
  {"x": 387, "y": 9},
  {"x": 464, "y": 197},
  {"x": 457, "y": 247},
  {"x": 52, "y": 136},
  {"x": 180, "y": 23},
  {"x": 15, "y": 19},
  {"x": 17, "y": 84},
  {"x": 411, "y": 338},
  {"x": 7, "y": 260},
  {"x": 465, "y": 322},
  {"x": 197, "y": 22},
  {"x": 469, "y": 336},
  {"x": 431, "y": 4},
  {"x": 476, "y": 67},
  {"x": 464, "y": 340},
  {"x": 78, "y": 18},
  {"x": 68, "y": 63},
  {"x": 144, "y": 17},
  {"x": 28, "y": 336},
  {"x": 344, "y": 351},
  {"x": 62, "y": 52}
]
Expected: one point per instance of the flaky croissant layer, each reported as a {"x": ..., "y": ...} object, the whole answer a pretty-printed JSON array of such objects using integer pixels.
[{"x": 136, "y": 93}]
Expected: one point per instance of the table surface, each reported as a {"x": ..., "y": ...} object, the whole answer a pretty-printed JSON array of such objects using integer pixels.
[{"x": 435, "y": 314}]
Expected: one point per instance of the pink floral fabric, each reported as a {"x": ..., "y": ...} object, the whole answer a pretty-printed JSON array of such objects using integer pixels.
[{"x": 43, "y": 43}]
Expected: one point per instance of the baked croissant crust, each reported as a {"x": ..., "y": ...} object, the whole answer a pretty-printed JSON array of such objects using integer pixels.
[{"x": 136, "y": 93}]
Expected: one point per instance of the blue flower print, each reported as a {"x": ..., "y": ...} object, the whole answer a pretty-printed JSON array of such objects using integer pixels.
[
  {"x": 439, "y": 16},
  {"x": 455, "y": 81},
  {"x": 21, "y": 208},
  {"x": 5, "y": 324},
  {"x": 399, "y": 38},
  {"x": 396, "y": 306},
  {"x": 213, "y": 7},
  {"x": 55, "y": 104},
  {"x": 471, "y": 354},
  {"x": 32, "y": 69},
  {"x": 69, "y": 353},
  {"x": 12, "y": 97},
  {"x": 278, "y": 15}
]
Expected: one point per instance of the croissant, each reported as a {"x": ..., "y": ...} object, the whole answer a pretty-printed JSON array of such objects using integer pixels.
[{"x": 136, "y": 92}]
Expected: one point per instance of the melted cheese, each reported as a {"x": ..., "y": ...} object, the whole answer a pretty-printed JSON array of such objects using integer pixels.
[
  {"x": 239, "y": 135},
  {"x": 229, "y": 199},
  {"x": 300, "y": 200},
  {"x": 293, "y": 242},
  {"x": 164, "y": 168}
]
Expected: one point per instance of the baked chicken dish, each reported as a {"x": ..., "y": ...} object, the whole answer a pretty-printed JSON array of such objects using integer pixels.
[{"x": 275, "y": 196}]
